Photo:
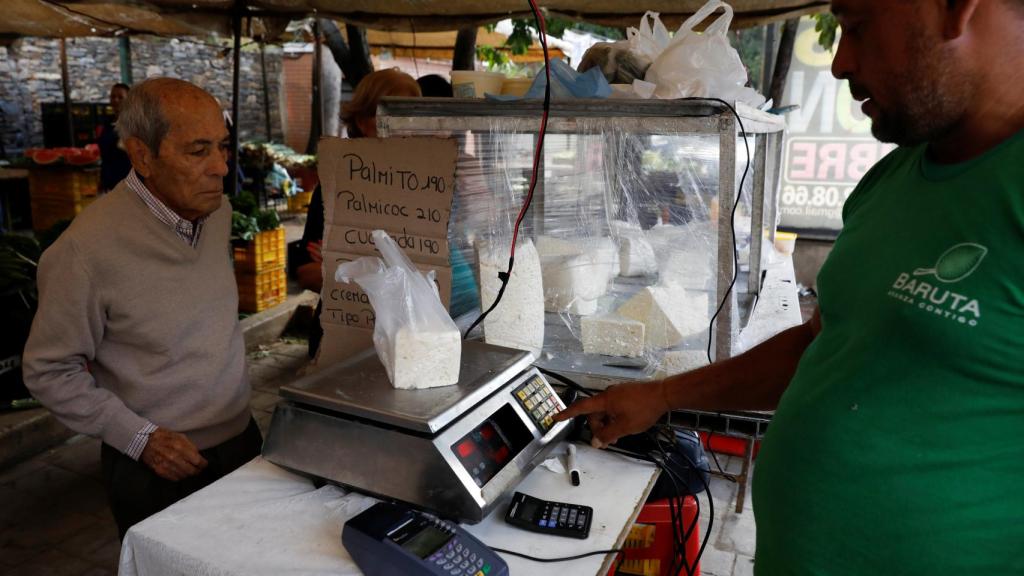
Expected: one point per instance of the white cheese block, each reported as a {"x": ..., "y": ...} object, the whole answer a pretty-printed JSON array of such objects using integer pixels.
[
  {"x": 679, "y": 361},
  {"x": 575, "y": 273},
  {"x": 636, "y": 256},
  {"x": 552, "y": 246},
  {"x": 689, "y": 268},
  {"x": 605, "y": 256},
  {"x": 518, "y": 321},
  {"x": 571, "y": 282},
  {"x": 669, "y": 314},
  {"x": 424, "y": 359},
  {"x": 612, "y": 336}
]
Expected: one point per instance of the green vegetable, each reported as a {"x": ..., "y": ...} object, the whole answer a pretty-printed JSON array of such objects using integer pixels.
[
  {"x": 268, "y": 220},
  {"x": 243, "y": 227},
  {"x": 245, "y": 203}
]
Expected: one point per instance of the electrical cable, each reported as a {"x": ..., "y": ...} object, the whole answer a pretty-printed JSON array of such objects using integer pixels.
[
  {"x": 714, "y": 456},
  {"x": 675, "y": 511},
  {"x": 711, "y": 506},
  {"x": 732, "y": 216},
  {"x": 679, "y": 534},
  {"x": 707, "y": 490},
  {"x": 537, "y": 155},
  {"x": 567, "y": 381},
  {"x": 560, "y": 559}
]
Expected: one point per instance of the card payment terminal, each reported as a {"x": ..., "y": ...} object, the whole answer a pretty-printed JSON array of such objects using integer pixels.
[{"x": 392, "y": 540}]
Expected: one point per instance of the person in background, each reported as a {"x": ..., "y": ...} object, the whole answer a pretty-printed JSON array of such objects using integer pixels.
[
  {"x": 115, "y": 164},
  {"x": 465, "y": 293},
  {"x": 137, "y": 340},
  {"x": 360, "y": 118},
  {"x": 897, "y": 446},
  {"x": 435, "y": 86}
]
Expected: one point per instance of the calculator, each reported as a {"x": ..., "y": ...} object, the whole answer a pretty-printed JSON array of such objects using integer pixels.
[{"x": 546, "y": 517}]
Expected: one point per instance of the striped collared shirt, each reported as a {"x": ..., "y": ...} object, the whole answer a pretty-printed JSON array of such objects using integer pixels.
[
  {"x": 139, "y": 442},
  {"x": 188, "y": 232},
  {"x": 182, "y": 227}
]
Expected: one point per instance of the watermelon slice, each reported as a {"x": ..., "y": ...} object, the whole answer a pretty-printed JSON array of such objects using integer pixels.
[
  {"x": 45, "y": 156},
  {"x": 81, "y": 156}
]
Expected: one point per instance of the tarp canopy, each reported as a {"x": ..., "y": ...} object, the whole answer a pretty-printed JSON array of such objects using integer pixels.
[{"x": 68, "y": 18}]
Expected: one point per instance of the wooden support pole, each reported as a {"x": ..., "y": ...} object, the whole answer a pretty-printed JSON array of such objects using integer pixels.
[{"x": 67, "y": 91}]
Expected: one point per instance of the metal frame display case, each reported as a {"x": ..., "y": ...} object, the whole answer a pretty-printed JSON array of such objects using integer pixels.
[{"x": 611, "y": 119}]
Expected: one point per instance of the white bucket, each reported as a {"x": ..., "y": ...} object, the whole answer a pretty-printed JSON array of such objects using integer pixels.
[{"x": 474, "y": 84}]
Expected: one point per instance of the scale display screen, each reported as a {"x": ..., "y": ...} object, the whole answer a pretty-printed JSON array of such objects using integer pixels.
[
  {"x": 426, "y": 541},
  {"x": 491, "y": 445}
]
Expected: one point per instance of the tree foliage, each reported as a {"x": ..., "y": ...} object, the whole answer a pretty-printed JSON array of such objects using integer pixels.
[
  {"x": 826, "y": 26},
  {"x": 525, "y": 29}
]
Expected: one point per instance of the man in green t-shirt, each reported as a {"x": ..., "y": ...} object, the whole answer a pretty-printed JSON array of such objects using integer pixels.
[{"x": 898, "y": 440}]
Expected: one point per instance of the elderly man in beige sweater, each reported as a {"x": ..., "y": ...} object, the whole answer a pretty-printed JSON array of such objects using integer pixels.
[{"x": 137, "y": 340}]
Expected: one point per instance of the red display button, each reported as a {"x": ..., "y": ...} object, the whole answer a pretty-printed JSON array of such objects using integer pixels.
[{"x": 466, "y": 448}]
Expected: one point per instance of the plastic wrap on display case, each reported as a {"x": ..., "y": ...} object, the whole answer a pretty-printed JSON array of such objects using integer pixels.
[{"x": 620, "y": 248}]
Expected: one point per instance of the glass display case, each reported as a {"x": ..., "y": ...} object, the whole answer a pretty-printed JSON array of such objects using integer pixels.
[{"x": 638, "y": 216}]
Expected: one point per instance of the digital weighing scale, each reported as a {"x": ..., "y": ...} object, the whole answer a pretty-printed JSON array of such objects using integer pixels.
[{"x": 455, "y": 450}]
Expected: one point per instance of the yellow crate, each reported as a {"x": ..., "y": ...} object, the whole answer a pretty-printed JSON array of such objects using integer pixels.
[
  {"x": 262, "y": 290},
  {"x": 48, "y": 211},
  {"x": 299, "y": 202},
  {"x": 265, "y": 251},
  {"x": 63, "y": 183}
]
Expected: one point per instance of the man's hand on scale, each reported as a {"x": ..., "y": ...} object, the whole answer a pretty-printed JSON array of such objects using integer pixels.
[
  {"x": 172, "y": 455},
  {"x": 620, "y": 410}
]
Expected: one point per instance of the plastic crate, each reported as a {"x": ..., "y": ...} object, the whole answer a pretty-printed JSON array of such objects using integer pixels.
[
  {"x": 266, "y": 251},
  {"x": 299, "y": 202},
  {"x": 63, "y": 183},
  {"x": 261, "y": 290},
  {"x": 648, "y": 549}
]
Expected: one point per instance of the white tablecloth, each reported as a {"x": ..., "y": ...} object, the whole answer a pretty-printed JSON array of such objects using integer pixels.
[{"x": 262, "y": 519}]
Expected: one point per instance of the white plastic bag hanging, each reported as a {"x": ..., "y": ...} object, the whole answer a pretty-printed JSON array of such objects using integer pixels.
[
  {"x": 650, "y": 39},
  {"x": 701, "y": 64},
  {"x": 415, "y": 338}
]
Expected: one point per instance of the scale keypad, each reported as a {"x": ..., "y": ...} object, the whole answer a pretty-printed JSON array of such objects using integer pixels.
[{"x": 539, "y": 401}]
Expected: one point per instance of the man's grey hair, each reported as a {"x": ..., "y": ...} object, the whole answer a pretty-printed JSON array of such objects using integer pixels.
[{"x": 142, "y": 117}]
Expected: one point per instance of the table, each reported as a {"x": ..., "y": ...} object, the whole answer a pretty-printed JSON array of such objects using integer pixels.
[{"x": 262, "y": 519}]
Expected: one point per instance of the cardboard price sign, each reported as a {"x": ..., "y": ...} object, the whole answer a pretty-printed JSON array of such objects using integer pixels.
[{"x": 403, "y": 186}]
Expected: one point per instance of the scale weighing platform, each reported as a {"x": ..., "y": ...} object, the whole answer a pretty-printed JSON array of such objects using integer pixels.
[{"x": 455, "y": 450}]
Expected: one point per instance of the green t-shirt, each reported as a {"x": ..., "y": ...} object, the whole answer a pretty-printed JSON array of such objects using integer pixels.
[{"x": 898, "y": 447}]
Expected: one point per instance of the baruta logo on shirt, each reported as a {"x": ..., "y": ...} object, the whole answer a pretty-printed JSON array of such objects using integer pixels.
[{"x": 928, "y": 289}]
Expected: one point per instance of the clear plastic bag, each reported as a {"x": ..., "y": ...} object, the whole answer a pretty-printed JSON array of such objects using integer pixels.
[
  {"x": 650, "y": 39},
  {"x": 418, "y": 343}
]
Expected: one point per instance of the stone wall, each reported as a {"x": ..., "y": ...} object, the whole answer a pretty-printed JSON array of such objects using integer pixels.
[{"x": 30, "y": 75}]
